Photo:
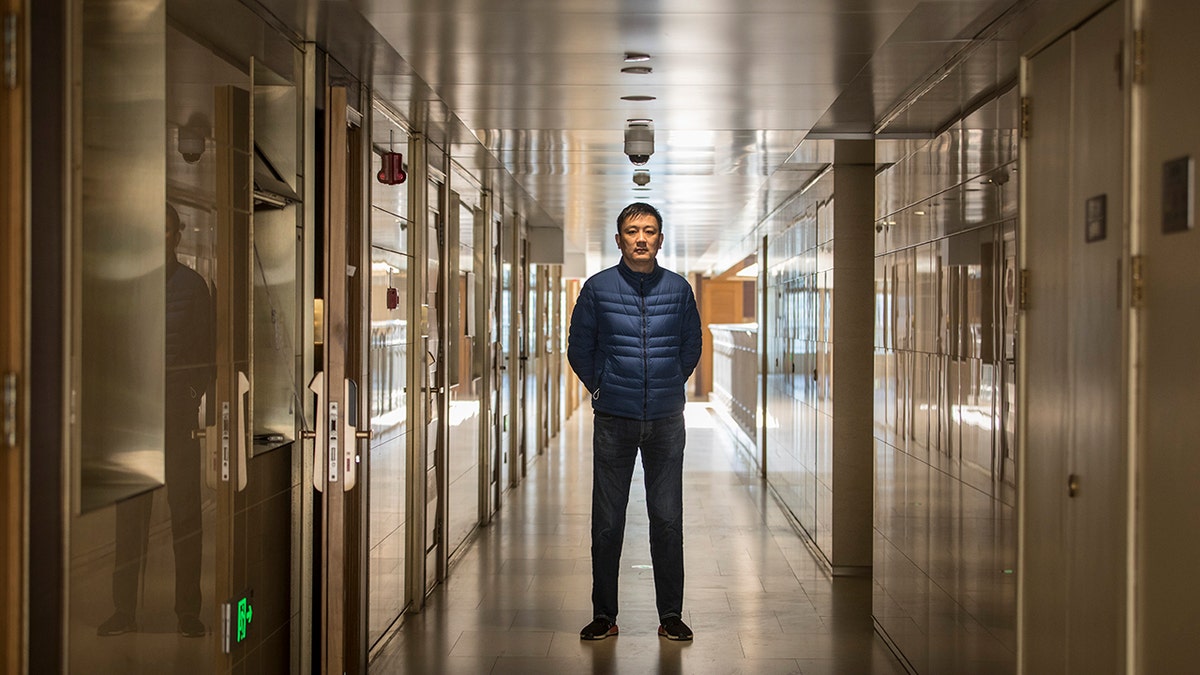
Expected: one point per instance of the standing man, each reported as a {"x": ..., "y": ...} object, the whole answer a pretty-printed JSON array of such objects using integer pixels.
[{"x": 634, "y": 341}]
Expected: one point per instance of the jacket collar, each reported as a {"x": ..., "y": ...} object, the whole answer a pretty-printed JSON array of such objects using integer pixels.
[{"x": 639, "y": 277}]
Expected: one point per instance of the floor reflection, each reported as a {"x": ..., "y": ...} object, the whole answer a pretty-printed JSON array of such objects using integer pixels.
[{"x": 756, "y": 599}]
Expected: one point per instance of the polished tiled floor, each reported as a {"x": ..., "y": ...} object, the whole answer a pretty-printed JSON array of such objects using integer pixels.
[{"x": 756, "y": 599}]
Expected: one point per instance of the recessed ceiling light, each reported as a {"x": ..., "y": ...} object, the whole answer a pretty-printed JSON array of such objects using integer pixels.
[
  {"x": 637, "y": 70},
  {"x": 640, "y": 97},
  {"x": 918, "y": 213},
  {"x": 636, "y": 57}
]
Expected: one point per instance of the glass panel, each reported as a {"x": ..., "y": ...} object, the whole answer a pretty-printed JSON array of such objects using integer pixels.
[
  {"x": 507, "y": 369},
  {"x": 434, "y": 359},
  {"x": 391, "y": 352},
  {"x": 389, "y": 213},
  {"x": 276, "y": 350},
  {"x": 389, "y": 345},
  {"x": 149, "y": 564},
  {"x": 529, "y": 347},
  {"x": 463, "y": 459}
]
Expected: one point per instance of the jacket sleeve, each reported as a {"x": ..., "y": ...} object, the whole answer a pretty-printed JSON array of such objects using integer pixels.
[
  {"x": 582, "y": 338},
  {"x": 689, "y": 349}
]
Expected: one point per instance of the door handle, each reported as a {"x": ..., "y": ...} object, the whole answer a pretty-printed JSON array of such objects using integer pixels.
[
  {"x": 335, "y": 447},
  {"x": 350, "y": 435},
  {"x": 243, "y": 442},
  {"x": 210, "y": 441},
  {"x": 224, "y": 448},
  {"x": 320, "y": 439},
  {"x": 430, "y": 389}
]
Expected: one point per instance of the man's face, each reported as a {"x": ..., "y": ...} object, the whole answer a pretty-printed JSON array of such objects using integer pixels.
[{"x": 639, "y": 240}]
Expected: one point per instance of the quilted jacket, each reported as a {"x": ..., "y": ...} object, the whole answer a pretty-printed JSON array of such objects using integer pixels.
[{"x": 634, "y": 341}]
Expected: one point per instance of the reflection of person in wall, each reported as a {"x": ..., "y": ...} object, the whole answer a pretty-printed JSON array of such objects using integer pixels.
[{"x": 189, "y": 365}]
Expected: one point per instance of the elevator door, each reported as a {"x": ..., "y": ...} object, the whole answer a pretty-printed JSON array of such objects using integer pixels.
[{"x": 1075, "y": 420}]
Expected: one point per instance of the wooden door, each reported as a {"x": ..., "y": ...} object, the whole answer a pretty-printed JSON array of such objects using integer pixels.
[
  {"x": 12, "y": 351},
  {"x": 339, "y": 398},
  {"x": 720, "y": 302}
]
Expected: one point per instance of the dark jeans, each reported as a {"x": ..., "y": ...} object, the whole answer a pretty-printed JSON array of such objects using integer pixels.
[
  {"x": 615, "y": 443},
  {"x": 133, "y": 528}
]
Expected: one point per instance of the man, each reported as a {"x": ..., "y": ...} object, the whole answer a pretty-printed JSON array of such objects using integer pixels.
[
  {"x": 634, "y": 341},
  {"x": 189, "y": 367}
]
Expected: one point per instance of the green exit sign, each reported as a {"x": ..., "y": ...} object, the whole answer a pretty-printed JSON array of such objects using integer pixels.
[
  {"x": 245, "y": 613},
  {"x": 238, "y": 614}
]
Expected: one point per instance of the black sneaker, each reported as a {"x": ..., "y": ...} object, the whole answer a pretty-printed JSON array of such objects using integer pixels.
[
  {"x": 673, "y": 628},
  {"x": 190, "y": 626},
  {"x": 117, "y": 624},
  {"x": 598, "y": 629}
]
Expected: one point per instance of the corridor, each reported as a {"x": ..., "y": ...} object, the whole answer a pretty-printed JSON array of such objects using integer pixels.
[{"x": 756, "y": 599}]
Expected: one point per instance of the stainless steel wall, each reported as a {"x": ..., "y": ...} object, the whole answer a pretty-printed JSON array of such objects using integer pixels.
[
  {"x": 799, "y": 405},
  {"x": 119, "y": 276},
  {"x": 182, "y": 549},
  {"x": 1168, "y": 464},
  {"x": 945, "y": 549}
]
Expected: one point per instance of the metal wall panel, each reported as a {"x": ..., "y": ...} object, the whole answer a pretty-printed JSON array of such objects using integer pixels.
[
  {"x": 1168, "y": 463},
  {"x": 945, "y": 539},
  {"x": 119, "y": 300},
  {"x": 799, "y": 353}
]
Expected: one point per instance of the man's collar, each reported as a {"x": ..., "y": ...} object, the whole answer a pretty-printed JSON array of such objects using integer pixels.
[{"x": 634, "y": 274}]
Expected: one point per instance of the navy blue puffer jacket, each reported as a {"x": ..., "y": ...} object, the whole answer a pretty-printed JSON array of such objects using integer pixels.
[{"x": 634, "y": 341}]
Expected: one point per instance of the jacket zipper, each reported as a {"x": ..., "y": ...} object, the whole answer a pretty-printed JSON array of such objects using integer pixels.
[{"x": 645, "y": 350}]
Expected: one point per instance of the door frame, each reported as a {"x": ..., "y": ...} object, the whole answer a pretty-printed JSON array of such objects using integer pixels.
[
  {"x": 422, "y": 174},
  {"x": 338, "y": 470},
  {"x": 13, "y": 358}
]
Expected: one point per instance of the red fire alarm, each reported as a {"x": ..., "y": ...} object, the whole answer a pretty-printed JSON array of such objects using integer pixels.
[{"x": 392, "y": 170}]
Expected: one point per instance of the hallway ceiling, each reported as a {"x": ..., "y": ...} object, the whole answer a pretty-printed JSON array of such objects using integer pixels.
[{"x": 746, "y": 94}]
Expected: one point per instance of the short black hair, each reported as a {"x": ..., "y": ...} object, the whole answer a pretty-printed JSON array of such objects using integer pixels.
[
  {"x": 639, "y": 209},
  {"x": 173, "y": 218}
]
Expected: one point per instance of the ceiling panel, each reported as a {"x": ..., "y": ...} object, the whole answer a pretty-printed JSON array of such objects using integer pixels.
[{"x": 535, "y": 86}]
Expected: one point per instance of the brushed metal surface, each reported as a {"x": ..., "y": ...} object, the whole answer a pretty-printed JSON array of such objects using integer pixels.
[
  {"x": 1168, "y": 467},
  {"x": 528, "y": 93},
  {"x": 273, "y": 264},
  {"x": 120, "y": 304}
]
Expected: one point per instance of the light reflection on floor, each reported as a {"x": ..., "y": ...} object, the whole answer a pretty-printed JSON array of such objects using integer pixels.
[{"x": 755, "y": 598}]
